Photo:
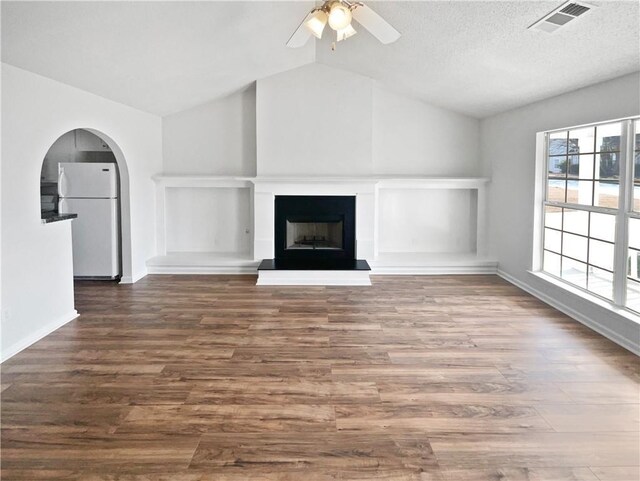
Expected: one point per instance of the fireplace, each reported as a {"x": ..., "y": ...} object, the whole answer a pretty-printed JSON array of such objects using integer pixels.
[
  {"x": 315, "y": 228},
  {"x": 314, "y": 243}
]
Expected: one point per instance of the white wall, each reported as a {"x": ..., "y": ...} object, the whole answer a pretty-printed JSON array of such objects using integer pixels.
[
  {"x": 314, "y": 120},
  {"x": 320, "y": 121},
  {"x": 414, "y": 220},
  {"x": 208, "y": 220},
  {"x": 411, "y": 137},
  {"x": 217, "y": 138},
  {"x": 37, "y": 288},
  {"x": 508, "y": 153}
]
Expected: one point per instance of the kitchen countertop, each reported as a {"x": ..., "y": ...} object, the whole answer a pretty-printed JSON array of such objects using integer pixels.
[{"x": 49, "y": 217}]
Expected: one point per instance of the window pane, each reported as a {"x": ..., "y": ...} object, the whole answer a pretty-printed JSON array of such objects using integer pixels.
[
  {"x": 634, "y": 233},
  {"x": 607, "y": 194},
  {"x": 608, "y": 165},
  {"x": 553, "y": 217},
  {"x": 557, "y": 167},
  {"x": 573, "y": 170},
  {"x": 574, "y": 272},
  {"x": 608, "y": 137},
  {"x": 633, "y": 265},
  {"x": 574, "y": 246},
  {"x": 558, "y": 143},
  {"x": 576, "y": 221},
  {"x": 633, "y": 275},
  {"x": 603, "y": 226},
  {"x": 582, "y": 141},
  {"x": 551, "y": 263},
  {"x": 552, "y": 240},
  {"x": 600, "y": 282},
  {"x": 556, "y": 190},
  {"x": 601, "y": 254},
  {"x": 580, "y": 192},
  {"x": 633, "y": 295},
  {"x": 581, "y": 166},
  {"x": 636, "y": 189}
]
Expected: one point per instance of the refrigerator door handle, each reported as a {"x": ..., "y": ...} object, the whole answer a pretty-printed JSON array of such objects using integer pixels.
[
  {"x": 62, "y": 186},
  {"x": 62, "y": 206}
]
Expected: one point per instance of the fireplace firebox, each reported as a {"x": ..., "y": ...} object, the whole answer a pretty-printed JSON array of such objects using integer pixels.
[{"x": 315, "y": 228}]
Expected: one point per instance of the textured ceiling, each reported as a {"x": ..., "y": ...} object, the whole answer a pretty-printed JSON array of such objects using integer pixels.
[
  {"x": 161, "y": 57},
  {"x": 473, "y": 57},
  {"x": 480, "y": 59}
]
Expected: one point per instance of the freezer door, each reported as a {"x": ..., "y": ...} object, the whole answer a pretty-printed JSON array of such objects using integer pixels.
[
  {"x": 94, "y": 236},
  {"x": 87, "y": 180}
]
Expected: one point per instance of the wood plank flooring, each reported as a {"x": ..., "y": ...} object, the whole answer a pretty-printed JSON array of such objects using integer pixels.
[{"x": 210, "y": 378}]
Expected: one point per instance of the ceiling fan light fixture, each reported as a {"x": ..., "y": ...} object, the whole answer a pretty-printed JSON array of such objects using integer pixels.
[
  {"x": 317, "y": 22},
  {"x": 339, "y": 16},
  {"x": 345, "y": 33}
]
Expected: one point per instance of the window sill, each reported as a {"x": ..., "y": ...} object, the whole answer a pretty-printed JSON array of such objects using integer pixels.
[{"x": 610, "y": 306}]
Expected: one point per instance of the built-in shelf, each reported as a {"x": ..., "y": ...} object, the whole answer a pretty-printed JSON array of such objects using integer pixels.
[
  {"x": 195, "y": 181},
  {"x": 432, "y": 263},
  {"x": 385, "y": 181},
  {"x": 202, "y": 263},
  {"x": 382, "y": 200}
]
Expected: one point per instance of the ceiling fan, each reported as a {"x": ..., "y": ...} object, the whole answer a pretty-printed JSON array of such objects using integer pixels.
[{"x": 338, "y": 14}]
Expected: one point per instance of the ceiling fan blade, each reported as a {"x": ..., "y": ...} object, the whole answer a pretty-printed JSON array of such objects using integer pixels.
[
  {"x": 301, "y": 35},
  {"x": 377, "y": 25}
]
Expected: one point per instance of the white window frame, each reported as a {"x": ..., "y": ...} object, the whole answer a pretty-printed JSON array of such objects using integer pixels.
[{"x": 623, "y": 213}]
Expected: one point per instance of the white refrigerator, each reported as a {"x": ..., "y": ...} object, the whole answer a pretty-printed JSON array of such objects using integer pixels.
[{"x": 91, "y": 191}]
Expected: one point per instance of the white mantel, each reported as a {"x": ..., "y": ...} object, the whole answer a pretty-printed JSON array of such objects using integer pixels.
[
  {"x": 265, "y": 189},
  {"x": 368, "y": 190}
]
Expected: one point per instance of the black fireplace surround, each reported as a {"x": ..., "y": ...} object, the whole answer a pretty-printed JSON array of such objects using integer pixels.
[{"x": 315, "y": 228}]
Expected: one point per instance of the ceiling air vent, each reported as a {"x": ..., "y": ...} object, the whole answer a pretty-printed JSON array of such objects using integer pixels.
[
  {"x": 575, "y": 9},
  {"x": 560, "y": 16}
]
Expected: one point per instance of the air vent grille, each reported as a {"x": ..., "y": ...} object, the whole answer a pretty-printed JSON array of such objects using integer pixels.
[
  {"x": 562, "y": 15},
  {"x": 575, "y": 9}
]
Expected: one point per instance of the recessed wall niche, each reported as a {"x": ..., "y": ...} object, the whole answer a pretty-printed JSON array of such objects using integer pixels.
[{"x": 214, "y": 220}]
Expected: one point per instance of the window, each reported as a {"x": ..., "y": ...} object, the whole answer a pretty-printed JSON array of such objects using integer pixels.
[
  {"x": 633, "y": 270},
  {"x": 591, "y": 212}
]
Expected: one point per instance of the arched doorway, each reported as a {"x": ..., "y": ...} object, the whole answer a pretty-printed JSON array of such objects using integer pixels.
[{"x": 61, "y": 164}]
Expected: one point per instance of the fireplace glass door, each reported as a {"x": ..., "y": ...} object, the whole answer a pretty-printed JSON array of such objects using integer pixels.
[{"x": 315, "y": 234}]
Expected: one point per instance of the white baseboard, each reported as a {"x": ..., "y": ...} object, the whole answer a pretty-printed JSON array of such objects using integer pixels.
[
  {"x": 212, "y": 270},
  {"x": 578, "y": 316},
  {"x": 431, "y": 270},
  {"x": 134, "y": 278},
  {"x": 36, "y": 336}
]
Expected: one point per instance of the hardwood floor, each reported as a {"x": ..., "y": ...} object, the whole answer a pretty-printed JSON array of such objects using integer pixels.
[{"x": 210, "y": 378}]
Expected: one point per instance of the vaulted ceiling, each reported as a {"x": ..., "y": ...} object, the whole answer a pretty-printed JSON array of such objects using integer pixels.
[{"x": 473, "y": 57}]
